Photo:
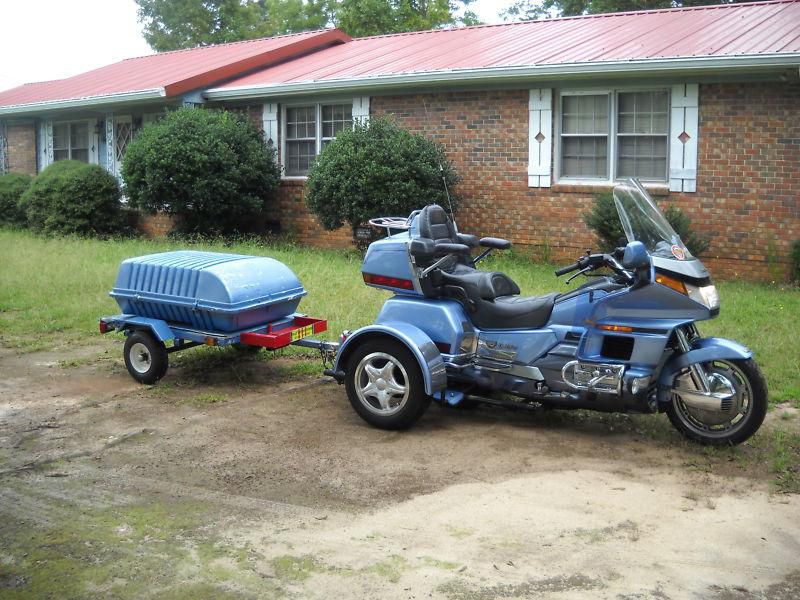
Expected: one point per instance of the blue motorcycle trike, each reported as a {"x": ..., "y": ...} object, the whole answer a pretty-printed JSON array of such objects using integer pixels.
[{"x": 625, "y": 340}]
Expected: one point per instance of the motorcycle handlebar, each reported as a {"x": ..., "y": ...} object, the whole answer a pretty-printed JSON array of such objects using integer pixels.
[{"x": 567, "y": 269}]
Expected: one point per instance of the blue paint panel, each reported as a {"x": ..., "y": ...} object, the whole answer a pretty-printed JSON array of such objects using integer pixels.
[
  {"x": 389, "y": 257},
  {"x": 441, "y": 320}
]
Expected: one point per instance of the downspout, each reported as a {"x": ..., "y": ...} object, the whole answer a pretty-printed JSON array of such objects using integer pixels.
[{"x": 3, "y": 149}]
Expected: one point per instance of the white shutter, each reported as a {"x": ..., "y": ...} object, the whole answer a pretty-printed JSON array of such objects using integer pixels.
[
  {"x": 47, "y": 146},
  {"x": 683, "y": 138},
  {"x": 111, "y": 144},
  {"x": 3, "y": 154},
  {"x": 361, "y": 109},
  {"x": 269, "y": 120},
  {"x": 540, "y": 133}
]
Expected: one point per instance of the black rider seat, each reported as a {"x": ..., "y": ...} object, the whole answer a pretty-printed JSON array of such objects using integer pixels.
[{"x": 492, "y": 300}]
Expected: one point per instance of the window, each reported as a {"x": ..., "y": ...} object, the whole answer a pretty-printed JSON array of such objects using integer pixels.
[
  {"x": 642, "y": 129},
  {"x": 71, "y": 141},
  {"x": 308, "y": 129},
  {"x": 632, "y": 127}
]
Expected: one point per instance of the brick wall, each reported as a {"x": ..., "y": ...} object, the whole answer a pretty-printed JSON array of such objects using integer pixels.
[
  {"x": 21, "y": 146},
  {"x": 155, "y": 226},
  {"x": 297, "y": 222}
]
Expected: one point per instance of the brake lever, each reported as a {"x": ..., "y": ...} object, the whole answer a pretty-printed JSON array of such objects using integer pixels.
[{"x": 581, "y": 272}]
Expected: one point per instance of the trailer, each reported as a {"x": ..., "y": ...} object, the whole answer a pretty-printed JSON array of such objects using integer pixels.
[{"x": 173, "y": 301}]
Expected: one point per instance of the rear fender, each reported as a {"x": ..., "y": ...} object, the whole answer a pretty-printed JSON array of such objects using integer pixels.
[
  {"x": 418, "y": 343},
  {"x": 703, "y": 350},
  {"x": 159, "y": 328}
]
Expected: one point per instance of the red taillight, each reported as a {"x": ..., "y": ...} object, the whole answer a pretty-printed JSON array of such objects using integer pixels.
[
  {"x": 405, "y": 284},
  {"x": 105, "y": 327}
]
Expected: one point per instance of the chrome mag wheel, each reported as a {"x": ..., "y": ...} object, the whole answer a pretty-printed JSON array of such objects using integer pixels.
[
  {"x": 381, "y": 383},
  {"x": 738, "y": 416}
]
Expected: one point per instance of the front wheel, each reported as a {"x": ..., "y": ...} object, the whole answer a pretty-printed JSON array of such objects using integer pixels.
[
  {"x": 384, "y": 384},
  {"x": 738, "y": 419}
]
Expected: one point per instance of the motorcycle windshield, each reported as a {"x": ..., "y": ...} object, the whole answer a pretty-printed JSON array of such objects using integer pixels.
[{"x": 644, "y": 222}]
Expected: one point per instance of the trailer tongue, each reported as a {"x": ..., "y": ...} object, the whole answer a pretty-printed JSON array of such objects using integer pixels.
[{"x": 189, "y": 298}]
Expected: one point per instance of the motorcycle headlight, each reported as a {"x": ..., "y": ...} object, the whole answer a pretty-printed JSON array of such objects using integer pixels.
[{"x": 706, "y": 295}]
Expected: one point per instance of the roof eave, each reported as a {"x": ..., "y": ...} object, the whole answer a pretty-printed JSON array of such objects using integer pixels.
[
  {"x": 92, "y": 101},
  {"x": 505, "y": 74}
]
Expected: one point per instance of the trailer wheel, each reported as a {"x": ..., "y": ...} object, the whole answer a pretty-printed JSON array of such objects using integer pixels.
[
  {"x": 384, "y": 384},
  {"x": 145, "y": 357}
]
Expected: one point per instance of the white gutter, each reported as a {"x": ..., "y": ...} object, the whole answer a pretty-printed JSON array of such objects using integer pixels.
[
  {"x": 83, "y": 102},
  {"x": 499, "y": 74}
]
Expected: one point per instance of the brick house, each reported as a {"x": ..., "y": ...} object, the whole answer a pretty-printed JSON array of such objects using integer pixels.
[{"x": 702, "y": 104}]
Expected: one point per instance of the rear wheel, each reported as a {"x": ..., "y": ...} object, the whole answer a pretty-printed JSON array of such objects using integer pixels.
[
  {"x": 738, "y": 419},
  {"x": 145, "y": 357},
  {"x": 385, "y": 385}
]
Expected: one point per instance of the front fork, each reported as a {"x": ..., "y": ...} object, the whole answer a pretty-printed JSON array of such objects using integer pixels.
[{"x": 699, "y": 375}]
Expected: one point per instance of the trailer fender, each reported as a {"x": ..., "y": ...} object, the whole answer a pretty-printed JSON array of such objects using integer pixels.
[
  {"x": 159, "y": 328},
  {"x": 703, "y": 350},
  {"x": 417, "y": 341}
]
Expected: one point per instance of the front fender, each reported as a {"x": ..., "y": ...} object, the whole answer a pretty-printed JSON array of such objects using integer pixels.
[
  {"x": 417, "y": 341},
  {"x": 703, "y": 350}
]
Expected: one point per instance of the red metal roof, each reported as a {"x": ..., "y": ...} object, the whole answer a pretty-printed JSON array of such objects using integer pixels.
[
  {"x": 173, "y": 73},
  {"x": 759, "y": 28}
]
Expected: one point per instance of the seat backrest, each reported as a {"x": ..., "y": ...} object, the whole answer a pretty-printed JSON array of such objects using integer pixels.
[{"x": 436, "y": 225}]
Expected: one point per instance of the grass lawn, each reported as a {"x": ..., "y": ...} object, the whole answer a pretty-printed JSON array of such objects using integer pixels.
[{"x": 53, "y": 290}]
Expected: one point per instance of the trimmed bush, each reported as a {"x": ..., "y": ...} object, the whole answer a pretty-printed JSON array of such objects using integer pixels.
[
  {"x": 12, "y": 186},
  {"x": 210, "y": 169},
  {"x": 603, "y": 219},
  {"x": 71, "y": 197},
  {"x": 377, "y": 169}
]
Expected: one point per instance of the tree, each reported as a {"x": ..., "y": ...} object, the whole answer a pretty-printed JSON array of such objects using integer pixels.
[
  {"x": 211, "y": 169},
  {"x": 524, "y": 10},
  {"x": 176, "y": 24},
  {"x": 374, "y": 170}
]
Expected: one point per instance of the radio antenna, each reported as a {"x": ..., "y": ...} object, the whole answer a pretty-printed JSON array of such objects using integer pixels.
[{"x": 441, "y": 171}]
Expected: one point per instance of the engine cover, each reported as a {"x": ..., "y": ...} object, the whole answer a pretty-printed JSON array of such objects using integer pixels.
[{"x": 593, "y": 377}]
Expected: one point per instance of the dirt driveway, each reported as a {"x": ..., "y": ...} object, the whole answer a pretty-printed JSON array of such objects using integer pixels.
[{"x": 239, "y": 478}]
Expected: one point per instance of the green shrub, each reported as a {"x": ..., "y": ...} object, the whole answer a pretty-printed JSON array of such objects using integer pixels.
[
  {"x": 603, "y": 219},
  {"x": 376, "y": 169},
  {"x": 210, "y": 169},
  {"x": 795, "y": 254},
  {"x": 73, "y": 197},
  {"x": 12, "y": 186}
]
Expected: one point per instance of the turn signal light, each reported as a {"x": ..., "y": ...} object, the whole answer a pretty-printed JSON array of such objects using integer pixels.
[
  {"x": 405, "y": 284},
  {"x": 622, "y": 328},
  {"x": 671, "y": 283}
]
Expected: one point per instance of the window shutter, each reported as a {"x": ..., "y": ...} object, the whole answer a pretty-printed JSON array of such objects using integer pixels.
[
  {"x": 47, "y": 145},
  {"x": 540, "y": 130},
  {"x": 111, "y": 143},
  {"x": 3, "y": 152},
  {"x": 683, "y": 138},
  {"x": 269, "y": 120},
  {"x": 361, "y": 109}
]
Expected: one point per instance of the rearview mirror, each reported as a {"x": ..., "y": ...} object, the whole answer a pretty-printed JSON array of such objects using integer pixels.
[{"x": 636, "y": 256}]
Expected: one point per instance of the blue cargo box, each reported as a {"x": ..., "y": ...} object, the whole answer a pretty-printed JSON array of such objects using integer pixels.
[{"x": 207, "y": 291}]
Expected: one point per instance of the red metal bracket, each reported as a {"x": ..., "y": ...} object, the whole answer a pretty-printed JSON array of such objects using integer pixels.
[{"x": 300, "y": 328}]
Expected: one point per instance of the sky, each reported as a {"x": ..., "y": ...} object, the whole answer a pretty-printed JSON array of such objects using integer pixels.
[{"x": 54, "y": 39}]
